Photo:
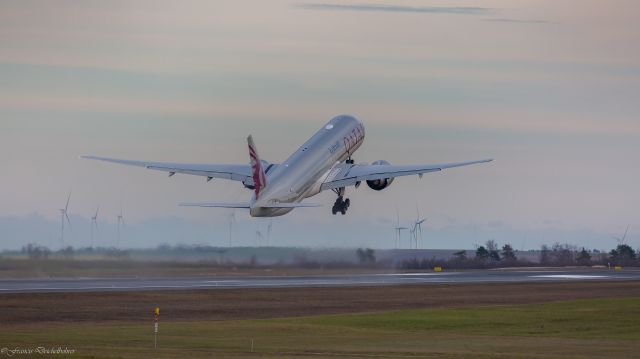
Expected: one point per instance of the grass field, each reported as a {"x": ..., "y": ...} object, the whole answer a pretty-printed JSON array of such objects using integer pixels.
[
  {"x": 592, "y": 328},
  {"x": 13, "y": 268}
]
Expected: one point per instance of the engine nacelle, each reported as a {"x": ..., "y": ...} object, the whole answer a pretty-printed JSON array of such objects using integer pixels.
[{"x": 380, "y": 184}]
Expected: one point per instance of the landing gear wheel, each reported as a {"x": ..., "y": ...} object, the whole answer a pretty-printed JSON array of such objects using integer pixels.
[
  {"x": 341, "y": 205},
  {"x": 337, "y": 206}
]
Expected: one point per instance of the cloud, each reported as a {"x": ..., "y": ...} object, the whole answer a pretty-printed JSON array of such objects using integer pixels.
[
  {"x": 396, "y": 8},
  {"x": 519, "y": 21}
]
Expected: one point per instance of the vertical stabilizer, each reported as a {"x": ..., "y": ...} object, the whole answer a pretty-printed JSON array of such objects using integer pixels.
[{"x": 259, "y": 179}]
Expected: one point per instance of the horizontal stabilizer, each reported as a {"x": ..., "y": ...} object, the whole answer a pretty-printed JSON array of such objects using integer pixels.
[
  {"x": 215, "y": 205},
  {"x": 292, "y": 205},
  {"x": 246, "y": 205}
]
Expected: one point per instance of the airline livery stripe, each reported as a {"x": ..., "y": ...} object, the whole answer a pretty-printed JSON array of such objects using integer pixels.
[{"x": 258, "y": 174}]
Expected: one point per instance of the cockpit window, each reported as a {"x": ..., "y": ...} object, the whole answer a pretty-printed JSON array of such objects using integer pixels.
[{"x": 329, "y": 126}]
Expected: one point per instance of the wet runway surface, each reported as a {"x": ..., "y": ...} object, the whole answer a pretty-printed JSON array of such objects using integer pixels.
[{"x": 480, "y": 276}]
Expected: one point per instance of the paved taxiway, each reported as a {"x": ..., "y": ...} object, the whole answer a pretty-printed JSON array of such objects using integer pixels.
[{"x": 135, "y": 284}]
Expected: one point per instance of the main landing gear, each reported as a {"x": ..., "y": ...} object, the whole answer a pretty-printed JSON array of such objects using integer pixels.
[{"x": 341, "y": 205}]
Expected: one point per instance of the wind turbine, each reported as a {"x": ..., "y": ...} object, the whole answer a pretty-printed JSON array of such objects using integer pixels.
[
  {"x": 417, "y": 226},
  {"x": 622, "y": 240},
  {"x": 120, "y": 222},
  {"x": 258, "y": 237},
  {"x": 412, "y": 235},
  {"x": 269, "y": 231},
  {"x": 398, "y": 229},
  {"x": 64, "y": 213},
  {"x": 94, "y": 223}
]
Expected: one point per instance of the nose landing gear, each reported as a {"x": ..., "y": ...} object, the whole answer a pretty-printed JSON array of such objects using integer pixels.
[{"x": 341, "y": 205}]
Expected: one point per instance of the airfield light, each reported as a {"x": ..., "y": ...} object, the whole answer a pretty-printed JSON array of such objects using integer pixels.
[{"x": 156, "y": 318}]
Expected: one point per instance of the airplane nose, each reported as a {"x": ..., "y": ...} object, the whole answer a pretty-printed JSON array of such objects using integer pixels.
[{"x": 346, "y": 117}]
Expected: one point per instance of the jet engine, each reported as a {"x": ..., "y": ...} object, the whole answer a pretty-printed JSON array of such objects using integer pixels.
[{"x": 379, "y": 184}]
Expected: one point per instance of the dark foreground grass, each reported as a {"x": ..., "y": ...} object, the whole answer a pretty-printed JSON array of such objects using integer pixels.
[{"x": 597, "y": 328}]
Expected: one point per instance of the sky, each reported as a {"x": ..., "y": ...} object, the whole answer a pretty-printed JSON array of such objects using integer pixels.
[{"x": 550, "y": 89}]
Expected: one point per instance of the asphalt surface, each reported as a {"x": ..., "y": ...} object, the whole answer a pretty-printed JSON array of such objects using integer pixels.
[{"x": 479, "y": 276}]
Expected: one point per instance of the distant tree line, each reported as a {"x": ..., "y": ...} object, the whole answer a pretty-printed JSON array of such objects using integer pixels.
[
  {"x": 491, "y": 255},
  {"x": 567, "y": 255},
  {"x": 38, "y": 252},
  {"x": 366, "y": 256}
]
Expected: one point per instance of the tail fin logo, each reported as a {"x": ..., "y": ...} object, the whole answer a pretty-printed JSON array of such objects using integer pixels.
[{"x": 259, "y": 180}]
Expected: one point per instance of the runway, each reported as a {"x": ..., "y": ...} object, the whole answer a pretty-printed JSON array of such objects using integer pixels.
[{"x": 475, "y": 276}]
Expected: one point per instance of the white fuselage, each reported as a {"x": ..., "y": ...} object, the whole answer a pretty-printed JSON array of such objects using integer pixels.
[{"x": 301, "y": 175}]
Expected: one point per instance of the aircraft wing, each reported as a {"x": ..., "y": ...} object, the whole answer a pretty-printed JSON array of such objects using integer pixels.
[
  {"x": 349, "y": 174},
  {"x": 232, "y": 172}
]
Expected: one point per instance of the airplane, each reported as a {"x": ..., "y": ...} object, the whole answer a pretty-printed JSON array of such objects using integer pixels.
[{"x": 324, "y": 162}]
